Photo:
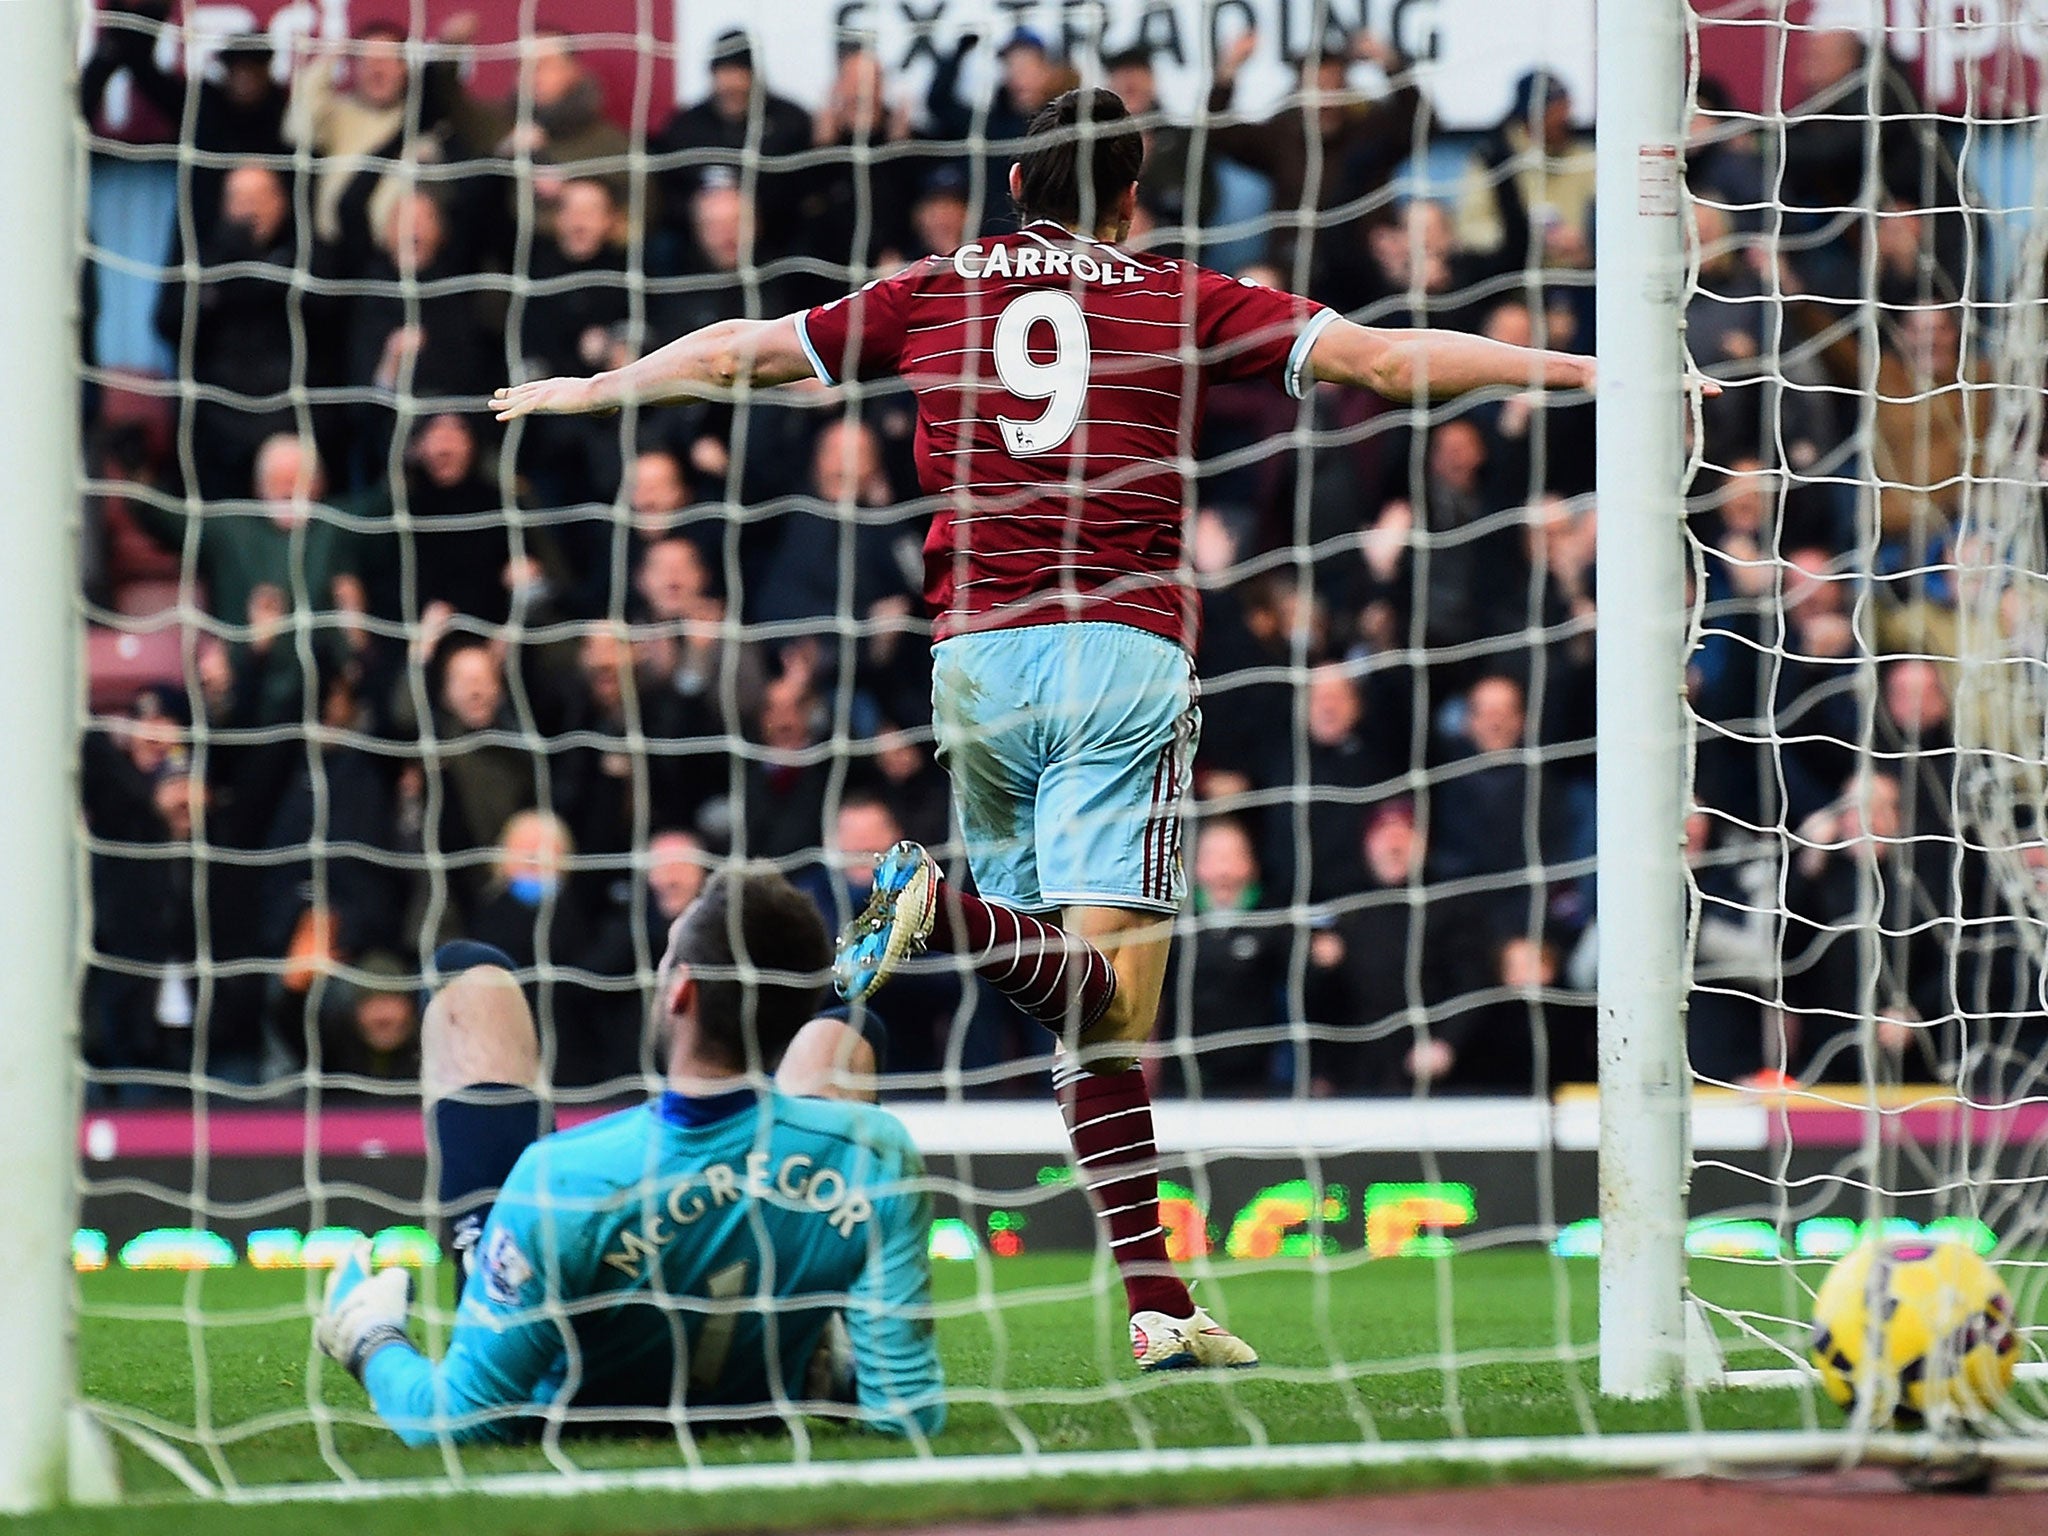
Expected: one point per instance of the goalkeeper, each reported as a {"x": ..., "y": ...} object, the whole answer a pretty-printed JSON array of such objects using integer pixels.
[{"x": 732, "y": 1248}]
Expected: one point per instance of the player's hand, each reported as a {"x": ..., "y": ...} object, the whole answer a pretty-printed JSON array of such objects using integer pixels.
[
  {"x": 362, "y": 1312},
  {"x": 548, "y": 397}
]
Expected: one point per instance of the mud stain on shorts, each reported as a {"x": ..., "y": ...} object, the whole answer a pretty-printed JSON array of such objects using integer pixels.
[{"x": 987, "y": 809}]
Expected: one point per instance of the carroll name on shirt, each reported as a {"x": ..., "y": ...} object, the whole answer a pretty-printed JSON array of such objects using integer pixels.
[
  {"x": 976, "y": 260},
  {"x": 795, "y": 1184}
]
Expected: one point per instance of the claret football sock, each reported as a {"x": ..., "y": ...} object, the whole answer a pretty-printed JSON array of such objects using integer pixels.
[
  {"x": 1058, "y": 979},
  {"x": 1109, "y": 1121}
]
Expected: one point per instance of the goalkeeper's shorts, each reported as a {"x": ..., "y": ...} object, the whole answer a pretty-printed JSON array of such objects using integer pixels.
[{"x": 1069, "y": 747}]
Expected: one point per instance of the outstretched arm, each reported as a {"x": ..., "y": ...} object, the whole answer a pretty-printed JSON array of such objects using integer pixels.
[
  {"x": 702, "y": 363},
  {"x": 1407, "y": 365}
]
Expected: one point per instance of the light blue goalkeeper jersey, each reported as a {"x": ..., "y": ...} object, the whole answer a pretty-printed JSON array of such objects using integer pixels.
[{"x": 692, "y": 1250}]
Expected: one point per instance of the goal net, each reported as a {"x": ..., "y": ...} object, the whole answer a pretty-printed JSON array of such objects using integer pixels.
[
  {"x": 368, "y": 673},
  {"x": 1865, "y": 844}
]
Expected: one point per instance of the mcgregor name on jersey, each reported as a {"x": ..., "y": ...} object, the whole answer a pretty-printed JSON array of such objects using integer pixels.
[{"x": 795, "y": 1184}]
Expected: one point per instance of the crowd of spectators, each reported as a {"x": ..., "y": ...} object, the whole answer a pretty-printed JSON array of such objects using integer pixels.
[{"x": 429, "y": 681}]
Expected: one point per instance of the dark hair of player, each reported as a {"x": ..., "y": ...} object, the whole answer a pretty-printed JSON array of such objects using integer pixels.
[
  {"x": 758, "y": 952},
  {"x": 1088, "y": 127}
]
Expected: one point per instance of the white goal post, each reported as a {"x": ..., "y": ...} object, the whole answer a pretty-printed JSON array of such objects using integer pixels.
[
  {"x": 39, "y": 904},
  {"x": 1678, "y": 1144},
  {"x": 1645, "y": 1088}
]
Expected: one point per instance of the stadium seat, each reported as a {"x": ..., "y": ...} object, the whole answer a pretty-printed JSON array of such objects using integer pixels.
[{"x": 119, "y": 663}]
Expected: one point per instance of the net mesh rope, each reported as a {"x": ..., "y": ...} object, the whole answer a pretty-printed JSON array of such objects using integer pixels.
[
  {"x": 1865, "y": 533},
  {"x": 1384, "y": 588}
]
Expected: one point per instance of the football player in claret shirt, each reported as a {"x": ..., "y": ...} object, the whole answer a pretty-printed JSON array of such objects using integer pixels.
[
  {"x": 1059, "y": 383},
  {"x": 735, "y": 1249}
]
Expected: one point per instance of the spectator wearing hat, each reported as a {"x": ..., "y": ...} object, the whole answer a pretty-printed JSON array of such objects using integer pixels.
[
  {"x": 1528, "y": 193},
  {"x": 938, "y": 216},
  {"x": 1032, "y": 76},
  {"x": 718, "y": 134},
  {"x": 238, "y": 116},
  {"x": 370, "y": 1032}
]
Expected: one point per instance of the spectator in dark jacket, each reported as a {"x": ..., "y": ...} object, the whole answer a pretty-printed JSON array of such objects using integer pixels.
[
  {"x": 1400, "y": 265},
  {"x": 1344, "y": 756},
  {"x": 1391, "y": 959},
  {"x": 239, "y": 116},
  {"x": 462, "y": 548},
  {"x": 786, "y": 783},
  {"x": 631, "y": 928},
  {"x": 1849, "y": 877},
  {"x": 1529, "y": 1035},
  {"x": 1827, "y": 149},
  {"x": 1328, "y": 147},
  {"x": 241, "y": 324},
  {"x": 1480, "y": 811},
  {"x": 1229, "y": 975},
  {"x": 615, "y": 776},
  {"x": 139, "y": 1009},
  {"x": 370, "y": 1030},
  {"x": 486, "y": 777},
  {"x": 1166, "y": 186},
  {"x": 1031, "y": 78},
  {"x": 416, "y": 333},
  {"x": 857, "y": 201},
  {"x": 567, "y": 325},
  {"x": 719, "y": 134},
  {"x": 537, "y": 912}
]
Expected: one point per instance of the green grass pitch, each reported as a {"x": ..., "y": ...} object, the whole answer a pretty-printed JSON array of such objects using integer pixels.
[{"x": 1034, "y": 1351}]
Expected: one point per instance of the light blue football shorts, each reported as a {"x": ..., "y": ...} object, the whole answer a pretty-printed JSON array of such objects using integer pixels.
[{"x": 1069, "y": 747}]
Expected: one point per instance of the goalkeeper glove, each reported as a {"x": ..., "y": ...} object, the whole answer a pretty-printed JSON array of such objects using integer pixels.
[{"x": 362, "y": 1311}]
